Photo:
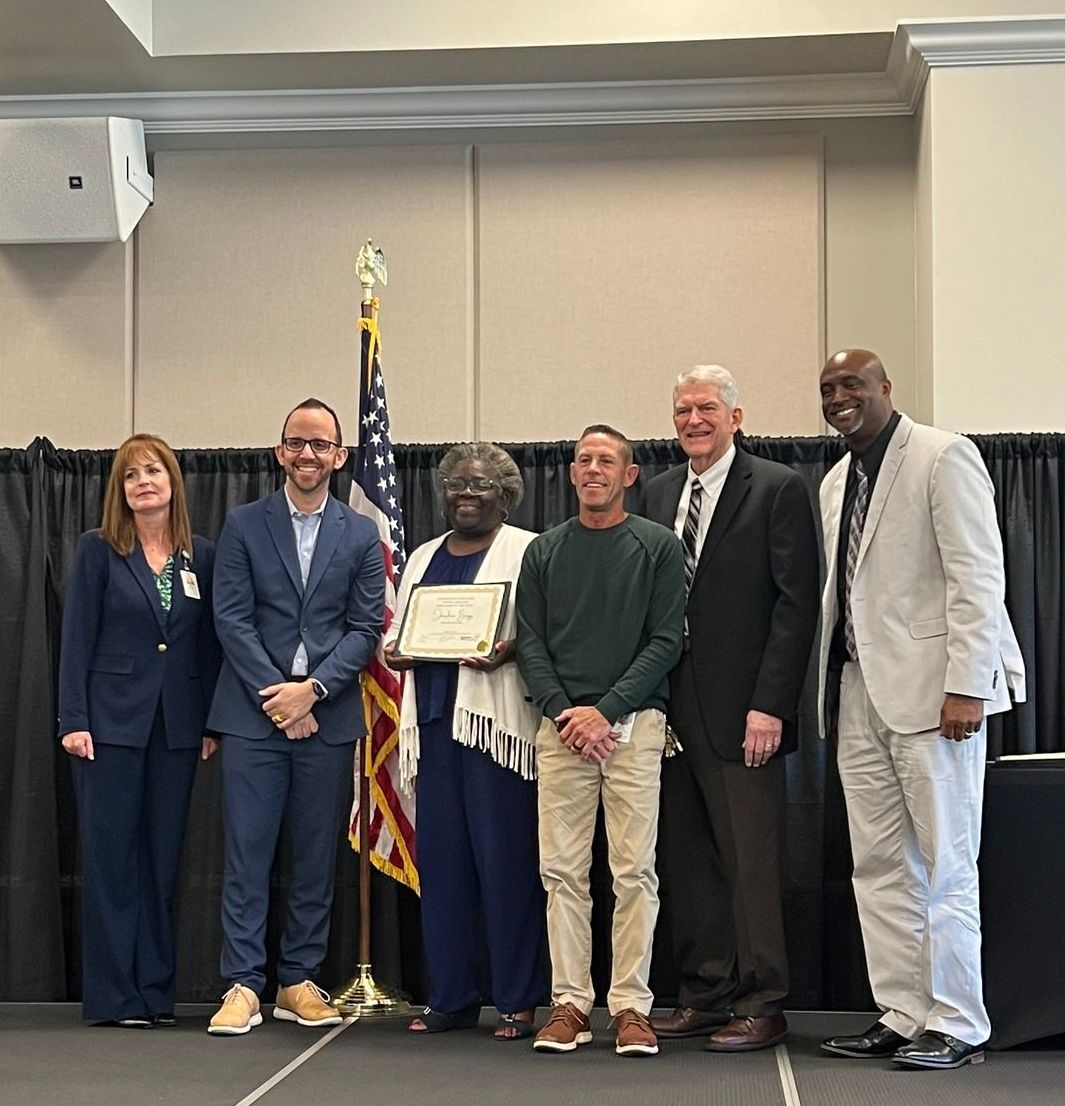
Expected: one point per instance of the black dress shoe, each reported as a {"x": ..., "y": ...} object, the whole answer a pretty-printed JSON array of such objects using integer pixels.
[
  {"x": 876, "y": 1042},
  {"x": 134, "y": 1023},
  {"x": 938, "y": 1050},
  {"x": 686, "y": 1022},
  {"x": 164, "y": 1021}
]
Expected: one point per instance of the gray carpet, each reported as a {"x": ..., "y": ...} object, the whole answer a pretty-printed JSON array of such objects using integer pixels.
[{"x": 49, "y": 1058}]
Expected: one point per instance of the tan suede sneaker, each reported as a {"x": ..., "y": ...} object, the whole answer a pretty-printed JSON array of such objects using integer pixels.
[
  {"x": 237, "y": 1014},
  {"x": 564, "y": 1030},
  {"x": 306, "y": 1004},
  {"x": 635, "y": 1035}
]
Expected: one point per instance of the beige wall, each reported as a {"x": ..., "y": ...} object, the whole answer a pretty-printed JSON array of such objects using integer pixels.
[
  {"x": 924, "y": 406},
  {"x": 65, "y": 358},
  {"x": 869, "y": 197},
  {"x": 246, "y": 296},
  {"x": 995, "y": 179},
  {"x": 605, "y": 269}
]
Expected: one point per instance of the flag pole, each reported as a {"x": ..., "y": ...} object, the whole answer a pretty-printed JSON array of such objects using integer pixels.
[{"x": 363, "y": 996}]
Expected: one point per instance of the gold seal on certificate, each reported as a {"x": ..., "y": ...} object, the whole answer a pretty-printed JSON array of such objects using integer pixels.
[{"x": 446, "y": 622}]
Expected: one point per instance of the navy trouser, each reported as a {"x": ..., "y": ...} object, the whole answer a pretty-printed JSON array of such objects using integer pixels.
[
  {"x": 308, "y": 785},
  {"x": 132, "y": 808},
  {"x": 478, "y": 861}
]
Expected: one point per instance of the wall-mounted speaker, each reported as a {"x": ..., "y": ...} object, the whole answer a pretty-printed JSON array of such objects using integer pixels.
[{"x": 72, "y": 180}]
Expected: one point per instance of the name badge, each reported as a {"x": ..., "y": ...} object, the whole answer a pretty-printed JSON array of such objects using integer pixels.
[{"x": 190, "y": 584}]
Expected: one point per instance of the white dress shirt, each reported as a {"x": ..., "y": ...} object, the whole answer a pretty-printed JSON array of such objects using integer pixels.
[
  {"x": 713, "y": 480},
  {"x": 305, "y": 527}
]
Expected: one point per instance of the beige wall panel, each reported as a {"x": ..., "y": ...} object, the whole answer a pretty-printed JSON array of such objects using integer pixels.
[
  {"x": 869, "y": 247},
  {"x": 607, "y": 268},
  {"x": 248, "y": 295},
  {"x": 63, "y": 326},
  {"x": 924, "y": 361},
  {"x": 998, "y": 247}
]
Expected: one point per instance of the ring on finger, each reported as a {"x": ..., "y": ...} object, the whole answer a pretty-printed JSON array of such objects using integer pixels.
[{"x": 278, "y": 718}]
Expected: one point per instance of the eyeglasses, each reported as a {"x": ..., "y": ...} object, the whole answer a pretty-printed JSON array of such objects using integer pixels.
[
  {"x": 477, "y": 486},
  {"x": 318, "y": 445}
]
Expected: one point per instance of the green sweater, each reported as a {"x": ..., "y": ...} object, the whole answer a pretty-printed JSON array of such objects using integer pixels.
[{"x": 601, "y": 616}]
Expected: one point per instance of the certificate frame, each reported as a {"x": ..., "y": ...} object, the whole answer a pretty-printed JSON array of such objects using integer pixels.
[{"x": 449, "y": 622}]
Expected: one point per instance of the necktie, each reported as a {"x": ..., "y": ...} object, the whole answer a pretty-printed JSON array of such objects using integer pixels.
[
  {"x": 854, "y": 542},
  {"x": 690, "y": 536}
]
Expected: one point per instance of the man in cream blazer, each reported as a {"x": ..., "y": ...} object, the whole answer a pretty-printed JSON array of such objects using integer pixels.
[{"x": 916, "y": 651}]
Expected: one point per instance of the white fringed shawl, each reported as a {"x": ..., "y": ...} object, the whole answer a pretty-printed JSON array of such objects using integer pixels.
[{"x": 491, "y": 709}]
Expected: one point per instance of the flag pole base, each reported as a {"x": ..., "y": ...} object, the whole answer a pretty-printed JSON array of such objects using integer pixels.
[{"x": 363, "y": 997}]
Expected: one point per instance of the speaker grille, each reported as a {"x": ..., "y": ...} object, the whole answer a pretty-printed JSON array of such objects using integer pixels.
[{"x": 38, "y": 159}]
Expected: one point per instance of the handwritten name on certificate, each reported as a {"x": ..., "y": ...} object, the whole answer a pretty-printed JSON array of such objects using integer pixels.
[{"x": 446, "y": 622}]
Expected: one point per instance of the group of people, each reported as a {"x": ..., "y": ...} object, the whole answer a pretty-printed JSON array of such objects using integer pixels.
[{"x": 650, "y": 664}]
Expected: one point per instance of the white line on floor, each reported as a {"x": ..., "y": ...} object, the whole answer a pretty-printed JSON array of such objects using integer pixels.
[
  {"x": 288, "y": 1069},
  {"x": 787, "y": 1076}
]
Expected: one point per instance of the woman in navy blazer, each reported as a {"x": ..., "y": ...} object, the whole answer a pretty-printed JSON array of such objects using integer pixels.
[{"x": 137, "y": 670}]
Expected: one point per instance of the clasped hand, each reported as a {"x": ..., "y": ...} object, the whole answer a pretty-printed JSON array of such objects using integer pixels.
[
  {"x": 288, "y": 706},
  {"x": 586, "y": 733}
]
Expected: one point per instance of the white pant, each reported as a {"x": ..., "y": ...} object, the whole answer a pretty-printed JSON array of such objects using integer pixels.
[
  {"x": 914, "y": 805},
  {"x": 569, "y": 789}
]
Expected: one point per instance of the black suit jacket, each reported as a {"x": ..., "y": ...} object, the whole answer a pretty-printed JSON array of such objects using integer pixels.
[{"x": 754, "y": 602}]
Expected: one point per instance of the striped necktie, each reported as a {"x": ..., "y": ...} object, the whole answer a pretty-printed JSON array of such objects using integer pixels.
[
  {"x": 690, "y": 537},
  {"x": 854, "y": 542}
]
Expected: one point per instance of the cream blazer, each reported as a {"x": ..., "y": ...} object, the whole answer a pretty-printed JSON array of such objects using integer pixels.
[{"x": 927, "y": 598}]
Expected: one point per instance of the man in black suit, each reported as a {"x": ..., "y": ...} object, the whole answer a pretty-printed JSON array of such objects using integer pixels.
[{"x": 751, "y": 568}]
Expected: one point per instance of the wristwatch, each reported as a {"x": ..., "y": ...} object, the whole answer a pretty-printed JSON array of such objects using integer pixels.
[{"x": 319, "y": 690}]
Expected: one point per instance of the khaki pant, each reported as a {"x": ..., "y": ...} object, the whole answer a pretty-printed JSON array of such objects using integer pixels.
[{"x": 569, "y": 791}]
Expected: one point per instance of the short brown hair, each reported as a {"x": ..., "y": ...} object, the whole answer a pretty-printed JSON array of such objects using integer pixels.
[
  {"x": 119, "y": 530},
  {"x": 313, "y": 404},
  {"x": 610, "y": 432}
]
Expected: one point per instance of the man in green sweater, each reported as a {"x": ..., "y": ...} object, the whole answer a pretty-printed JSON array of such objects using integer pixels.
[{"x": 600, "y": 605}]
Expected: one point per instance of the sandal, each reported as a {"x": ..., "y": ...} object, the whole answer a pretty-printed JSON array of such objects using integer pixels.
[
  {"x": 519, "y": 1026},
  {"x": 436, "y": 1022}
]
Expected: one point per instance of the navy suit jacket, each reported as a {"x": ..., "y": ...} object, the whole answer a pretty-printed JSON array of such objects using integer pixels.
[
  {"x": 263, "y": 611},
  {"x": 122, "y": 654}
]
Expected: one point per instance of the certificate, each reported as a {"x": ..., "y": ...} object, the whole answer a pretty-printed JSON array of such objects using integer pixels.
[{"x": 446, "y": 622}]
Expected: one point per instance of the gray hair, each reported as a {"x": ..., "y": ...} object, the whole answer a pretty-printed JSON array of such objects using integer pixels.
[
  {"x": 715, "y": 375},
  {"x": 496, "y": 459}
]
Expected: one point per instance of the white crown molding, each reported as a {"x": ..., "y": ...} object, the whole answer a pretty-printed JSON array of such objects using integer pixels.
[
  {"x": 921, "y": 46},
  {"x": 917, "y": 48},
  {"x": 546, "y": 105}
]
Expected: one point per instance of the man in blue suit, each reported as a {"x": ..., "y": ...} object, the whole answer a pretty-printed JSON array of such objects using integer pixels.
[{"x": 299, "y": 603}]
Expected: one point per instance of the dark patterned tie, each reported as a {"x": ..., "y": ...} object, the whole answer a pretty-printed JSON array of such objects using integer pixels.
[
  {"x": 690, "y": 537},
  {"x": 854, "y": 543}
]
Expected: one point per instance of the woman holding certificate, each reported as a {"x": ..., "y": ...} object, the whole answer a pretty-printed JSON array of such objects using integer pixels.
[
  {"x": 137, "y": 669},
  {"x": 468, "y": 734}
]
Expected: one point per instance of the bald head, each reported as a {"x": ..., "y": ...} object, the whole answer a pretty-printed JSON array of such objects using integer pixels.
[
  {"x": 858, "y": 360},
  {"x": 856, "y": 396}
]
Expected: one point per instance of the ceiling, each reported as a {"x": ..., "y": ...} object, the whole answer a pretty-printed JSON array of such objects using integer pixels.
[{"x": 64, "y": 47}]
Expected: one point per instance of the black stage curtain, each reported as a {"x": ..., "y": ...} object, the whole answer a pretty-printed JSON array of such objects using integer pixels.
[{"x": 48, "y": 496}]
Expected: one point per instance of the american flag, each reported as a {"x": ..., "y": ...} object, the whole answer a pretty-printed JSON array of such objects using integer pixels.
[{"x": 375, "y": 494}]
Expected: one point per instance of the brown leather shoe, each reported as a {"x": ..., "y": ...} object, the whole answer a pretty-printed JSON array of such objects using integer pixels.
[
  {"x": 635, "y": 1037},
  {"x": 686, "y": 1022},
  {"x": 564, "y": 1030},
  {"x": 745, "y": 1034}
]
